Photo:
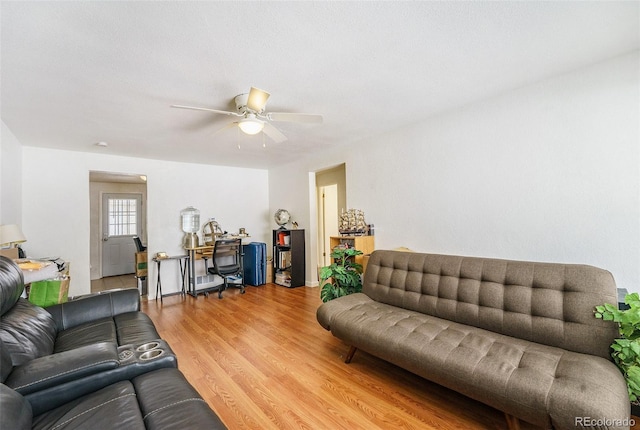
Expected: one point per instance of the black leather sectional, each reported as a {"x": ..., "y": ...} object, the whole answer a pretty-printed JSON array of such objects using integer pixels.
[{"x": 96, "y": 362}]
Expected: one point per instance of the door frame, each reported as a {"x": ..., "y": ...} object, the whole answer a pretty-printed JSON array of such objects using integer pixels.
[
  {"x": 123, "y": 238},
  {"x": 110, "y": 182},
  {"x": 332, "y": 175},
  {"x": 327, "y": 221}
]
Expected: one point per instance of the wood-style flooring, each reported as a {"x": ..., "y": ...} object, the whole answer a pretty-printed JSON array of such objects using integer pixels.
[
  {"x": 262, "y": 361},
  {"x": 114, "y": 282}
]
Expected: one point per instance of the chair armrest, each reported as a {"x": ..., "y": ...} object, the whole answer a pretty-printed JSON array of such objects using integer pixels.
[
  {"x": 91, "y": 308},
  {"x": 57, "y": 369}
]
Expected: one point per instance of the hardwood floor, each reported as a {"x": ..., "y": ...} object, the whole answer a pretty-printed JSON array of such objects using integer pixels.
[{"x": 262, "y": 361}]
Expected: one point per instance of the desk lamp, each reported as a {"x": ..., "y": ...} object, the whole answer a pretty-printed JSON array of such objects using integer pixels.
[{"x": 11, "y": 235}]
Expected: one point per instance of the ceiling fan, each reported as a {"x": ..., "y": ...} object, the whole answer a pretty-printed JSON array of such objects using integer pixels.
[{"x": 250, "y": 108}]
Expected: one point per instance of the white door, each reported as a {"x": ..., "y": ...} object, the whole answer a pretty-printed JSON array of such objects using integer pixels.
[{"x": 121, "y": 220}]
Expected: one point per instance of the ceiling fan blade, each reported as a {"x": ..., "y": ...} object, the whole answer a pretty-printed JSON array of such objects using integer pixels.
[
  {"x": 257, "y": 99},
  {"x": 230, "y": 125},
  {"x": 273, "y": 133},
  {"x": 295, "y": 117},
  {"x": 223, "y": 112}
]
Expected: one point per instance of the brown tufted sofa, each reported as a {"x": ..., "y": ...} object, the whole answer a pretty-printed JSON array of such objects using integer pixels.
[{"x": 519, "y": 336}]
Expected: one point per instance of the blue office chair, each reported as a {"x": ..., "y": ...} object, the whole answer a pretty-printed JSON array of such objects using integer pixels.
[{"x": 227, "y": 263}]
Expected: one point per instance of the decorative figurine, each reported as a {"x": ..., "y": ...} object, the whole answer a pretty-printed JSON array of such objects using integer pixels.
[{"x": 351, "y": 223}]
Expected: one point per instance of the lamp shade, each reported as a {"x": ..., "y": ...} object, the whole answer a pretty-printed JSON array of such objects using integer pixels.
[
  {"x": 251, "y": 125},
  {"x": 11, "y": 234}
]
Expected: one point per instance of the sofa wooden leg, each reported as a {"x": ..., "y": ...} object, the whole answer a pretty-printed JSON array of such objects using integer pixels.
[
  {"x": 352, "y": 351},
  {"x": 512, "y": 422}
]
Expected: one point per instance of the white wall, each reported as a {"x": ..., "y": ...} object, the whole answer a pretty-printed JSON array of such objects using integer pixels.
[
  {"x": 292, "y": 185},
  {"x": 10, "y": 174},
  {"x": 548, "y": 172},
  {"x": 56, "y": 205}
]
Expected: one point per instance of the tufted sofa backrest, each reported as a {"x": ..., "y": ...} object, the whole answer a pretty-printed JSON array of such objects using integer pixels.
[{"x": 546, "y": 303}]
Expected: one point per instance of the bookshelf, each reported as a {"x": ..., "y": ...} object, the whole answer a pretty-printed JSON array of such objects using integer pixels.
[{"x": 288, "y": 258}]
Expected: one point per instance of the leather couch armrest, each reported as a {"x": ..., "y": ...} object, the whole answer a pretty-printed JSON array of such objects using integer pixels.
[
  {"x": 56, "y": 369},
  {"x": 91, "y": 308},
  {"x": 52, "y": 397}
]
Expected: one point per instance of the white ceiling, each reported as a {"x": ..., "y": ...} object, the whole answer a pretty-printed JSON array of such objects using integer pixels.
[{"x": 76, "y": 73}]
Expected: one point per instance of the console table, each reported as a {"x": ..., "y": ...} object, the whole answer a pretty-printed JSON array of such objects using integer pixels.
[{"x": 183, "y": 272}]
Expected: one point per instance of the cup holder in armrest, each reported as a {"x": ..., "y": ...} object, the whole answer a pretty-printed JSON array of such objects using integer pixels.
[
  {"x": 151, "y": 354},
  {"x": 148, "y": 346},
  {"x": 145, "y": 353}
]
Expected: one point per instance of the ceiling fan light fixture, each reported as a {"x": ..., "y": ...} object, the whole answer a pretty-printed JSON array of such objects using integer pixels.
[{"x": 251, "y": 125}]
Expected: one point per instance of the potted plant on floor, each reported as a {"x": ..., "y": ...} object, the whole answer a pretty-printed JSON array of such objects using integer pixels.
[
  {"x": 342, "y": 277},
  {"x": 626, "y": 349}
]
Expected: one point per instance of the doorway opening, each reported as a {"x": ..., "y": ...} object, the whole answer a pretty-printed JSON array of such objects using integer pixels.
[
  {"x": 331, "y": 191},
  {"x": 118, "y": 213},
  {"x": 121, "y": 216}
]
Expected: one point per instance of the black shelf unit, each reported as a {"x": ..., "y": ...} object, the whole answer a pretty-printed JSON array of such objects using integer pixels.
[{"x": 288, "y": 257}]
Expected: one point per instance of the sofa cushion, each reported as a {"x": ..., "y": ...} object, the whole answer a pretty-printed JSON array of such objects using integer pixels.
[
  {"x": 122, "y": 329},
  {"x": 135, "y": 328},
  {"x": 113, "y": 407},
  {"x": 167, "y": 400},
  {"x": 162, "y": 399},
  {"x": 100, "y": 330},
  {"x": 532, "y": 381},
  {"x": 27, "y": 332}
]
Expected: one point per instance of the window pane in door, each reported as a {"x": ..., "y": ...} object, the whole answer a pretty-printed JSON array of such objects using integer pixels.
[{"x": 123, "y": 217}]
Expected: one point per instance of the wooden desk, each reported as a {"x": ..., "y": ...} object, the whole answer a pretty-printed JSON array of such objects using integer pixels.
[{"x": 203, "y": 252}]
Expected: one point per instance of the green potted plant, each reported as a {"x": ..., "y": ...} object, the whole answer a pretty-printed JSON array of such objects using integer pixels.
[
  {"x": 626, "y": 349},
  {"x": 342, "y": 277}
]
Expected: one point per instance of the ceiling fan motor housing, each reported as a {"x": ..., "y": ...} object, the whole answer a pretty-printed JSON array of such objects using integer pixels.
[{"x": 241, "y": 103}]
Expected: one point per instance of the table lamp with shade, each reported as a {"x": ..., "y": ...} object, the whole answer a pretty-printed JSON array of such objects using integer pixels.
[{"x": 11, "y": 236}]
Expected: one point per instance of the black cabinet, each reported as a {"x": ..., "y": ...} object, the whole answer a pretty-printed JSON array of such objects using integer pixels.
[{"x": 288, "y": 257}]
